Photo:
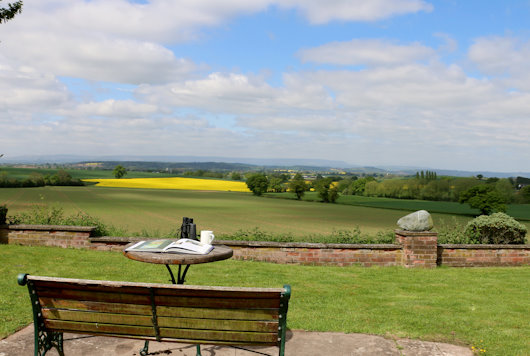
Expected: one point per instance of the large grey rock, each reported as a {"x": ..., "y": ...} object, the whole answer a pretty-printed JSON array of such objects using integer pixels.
[{"x": 419, "y": 220}]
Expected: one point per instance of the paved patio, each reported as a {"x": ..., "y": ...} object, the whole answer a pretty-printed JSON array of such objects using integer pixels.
[{"x": 299, "y": 343}]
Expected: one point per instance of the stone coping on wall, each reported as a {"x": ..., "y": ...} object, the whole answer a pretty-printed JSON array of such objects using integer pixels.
[
  {"x": 415, "y": 233},
  {"x": 50, "y": 227},
  {"x": 240, "y": 243},
  {"x": 483, "y": 247}
]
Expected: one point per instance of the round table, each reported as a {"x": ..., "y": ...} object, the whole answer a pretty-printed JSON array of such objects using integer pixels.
[{"x": 219, "y": 252}]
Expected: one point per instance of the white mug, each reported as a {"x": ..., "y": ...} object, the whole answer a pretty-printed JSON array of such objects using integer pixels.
[{"x": 207, "y": 237}]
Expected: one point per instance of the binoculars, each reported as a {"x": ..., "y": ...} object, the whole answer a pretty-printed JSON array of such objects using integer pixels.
[{"x": 188, "y": 230}]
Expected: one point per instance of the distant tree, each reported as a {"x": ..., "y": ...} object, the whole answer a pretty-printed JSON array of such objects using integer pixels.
[
  {"x": 326, "y": 190},
  {"x": 298, "y": 186},
  {"x": 12, "y": 9},
  {"x": 276, "y": 184},
  {"x": 480, "y": 176},
  {"x": 524, "y": 194},
  {"x": 257, "y": 183},
  {"x": 484, "y": 198},
  {"x": 235, "y": 176},
  {"x": 119, "y": 171},
  {"x": 505, "y": 189}
]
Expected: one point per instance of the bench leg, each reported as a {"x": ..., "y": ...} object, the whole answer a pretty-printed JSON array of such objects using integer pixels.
[
  {"x": 145, "y": 350},
  {"x": 45, "y": 340},
  {"x": 199, "y": 350}
]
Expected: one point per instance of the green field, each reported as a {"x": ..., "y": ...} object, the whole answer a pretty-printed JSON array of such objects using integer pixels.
[
  {"x": 224, "y": 212},
  {"x": 518, "y": 211}
]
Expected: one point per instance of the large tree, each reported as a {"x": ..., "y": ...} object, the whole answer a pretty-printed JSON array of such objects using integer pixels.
[
  {"x": 119, "y": 171},
  {"x": 326, "y": 190},
  {"x": 484, "y": 198},
  {"x": 12, "y": 9},
  {"x": 298, "y": 186},
  {"x": 257, "y": 183}
]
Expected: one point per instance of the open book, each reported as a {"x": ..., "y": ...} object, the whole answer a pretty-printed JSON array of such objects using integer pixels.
[{"x": 178, "y": 246}]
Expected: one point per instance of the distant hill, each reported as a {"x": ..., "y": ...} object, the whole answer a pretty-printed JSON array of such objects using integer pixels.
[{"x": 162, "y": 163}]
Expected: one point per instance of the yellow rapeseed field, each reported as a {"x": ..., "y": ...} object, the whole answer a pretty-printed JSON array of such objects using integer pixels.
[{"x": 173, "y": 183}]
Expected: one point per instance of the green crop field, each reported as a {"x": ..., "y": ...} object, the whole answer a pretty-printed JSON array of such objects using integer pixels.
[
  {"x": 137, "y": 210},
  {"x": 518, "y": 211}
]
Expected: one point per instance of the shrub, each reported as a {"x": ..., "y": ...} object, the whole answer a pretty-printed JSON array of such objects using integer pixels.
[
  {"x": 497, "y": 228},
  {"x": 353, "y": 236},
  {"x": 44, "y": 215},
  {"x": 3, "y": 214},
  {"x": 452, "y": 233}
]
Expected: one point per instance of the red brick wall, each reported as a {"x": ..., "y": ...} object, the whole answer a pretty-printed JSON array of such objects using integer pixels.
[
  {"x": 419, "y": 248},
  {"x": 483, "y": 255},
  {"x": 414, "y": 249},
  {"x": 47, "y": 235},
  {"x": 316, "y": 254}
]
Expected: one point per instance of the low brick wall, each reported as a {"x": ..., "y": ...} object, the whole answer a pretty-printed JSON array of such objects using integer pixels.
[
  {"x": 483, "y": 255},
  {"x": 46, "y": 235},
  {"x": 316, "y": 254},
  {"x": 413, "y": 249}
]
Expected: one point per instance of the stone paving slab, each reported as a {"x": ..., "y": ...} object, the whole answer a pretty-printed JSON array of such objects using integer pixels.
[{"x": 299, "y": 343}]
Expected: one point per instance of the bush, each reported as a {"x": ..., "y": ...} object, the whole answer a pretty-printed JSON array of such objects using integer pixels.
[
  {"x": 44, "y": 215},
  {"x": 452, "y": 233},
  {"x": 497, "y": 228},
  {"x": 3, "y": 214},
  {"x": 336, "y": 237}
]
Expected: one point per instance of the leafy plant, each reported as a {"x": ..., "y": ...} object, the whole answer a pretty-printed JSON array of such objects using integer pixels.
[
  {"x": 353, "y": 236},
  {"x": 452, "y": 233},
  {"x": 497, "y": 228},
  {"x": 3, "y": 214},
  {"x": 53, "y": 215}
]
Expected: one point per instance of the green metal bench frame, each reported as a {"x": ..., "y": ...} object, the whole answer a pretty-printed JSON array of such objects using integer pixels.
[{"x": 156, "y": 312}]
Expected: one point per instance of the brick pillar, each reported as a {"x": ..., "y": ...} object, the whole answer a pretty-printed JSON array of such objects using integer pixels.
[{"x": 420, "y": 248}]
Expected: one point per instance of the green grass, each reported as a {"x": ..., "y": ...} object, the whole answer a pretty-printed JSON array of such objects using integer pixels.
[{"x": 455, "y": 305}]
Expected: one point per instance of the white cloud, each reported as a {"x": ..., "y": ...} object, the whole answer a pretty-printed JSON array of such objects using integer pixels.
[
  {"x": 23, "y": 88},
  {"x": 503, "y": 57},
  {"x": 324, "y": 11},
  {"x": 367, "y": 52},
  {"x": 238, "y": 94}
]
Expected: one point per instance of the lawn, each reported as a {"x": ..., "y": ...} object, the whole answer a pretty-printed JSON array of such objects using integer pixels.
[
  {"x": 477, "y": 306},
  {"x": 137, "y": 210}
]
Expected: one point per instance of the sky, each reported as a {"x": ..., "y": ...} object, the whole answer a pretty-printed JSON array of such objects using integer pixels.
[{"x": 442, "y": 84}]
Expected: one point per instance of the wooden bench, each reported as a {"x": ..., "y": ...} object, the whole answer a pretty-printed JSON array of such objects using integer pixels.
[{"x": 157, "y": 312}]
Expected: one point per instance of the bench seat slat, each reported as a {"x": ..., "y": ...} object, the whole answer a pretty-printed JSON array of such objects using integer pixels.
[
  {"x": 98, "y": 328},
  {"x": 118, "y": 308},
  {"x": 241, "y": 314},
  {"x": 107, "y": 318},
  {"x": 230, "y": 303},
  {"x": 217, "y": 335},
  {"x": 160, "y": 289},
  {"x": 183, "y": 312},
  {"x": 168, "y": 333},
  {"x": 144, "y": 320}
]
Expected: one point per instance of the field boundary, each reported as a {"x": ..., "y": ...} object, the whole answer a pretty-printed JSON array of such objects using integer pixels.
[{"x": 413, "y": 249}]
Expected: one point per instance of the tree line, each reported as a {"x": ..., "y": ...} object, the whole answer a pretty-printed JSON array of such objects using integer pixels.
[{"x": 61, "y": 178}]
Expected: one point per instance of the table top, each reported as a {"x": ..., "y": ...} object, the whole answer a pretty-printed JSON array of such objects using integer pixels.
[{"x": 220, "y": 252}]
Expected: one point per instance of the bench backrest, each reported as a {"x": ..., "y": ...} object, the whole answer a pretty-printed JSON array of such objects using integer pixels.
[{"x": 189, "y": 314}]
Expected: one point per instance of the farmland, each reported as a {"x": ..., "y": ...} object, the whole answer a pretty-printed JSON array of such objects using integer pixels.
[
  {"x": 137, "y": 210},
  {"x": 173, "y": 183}
]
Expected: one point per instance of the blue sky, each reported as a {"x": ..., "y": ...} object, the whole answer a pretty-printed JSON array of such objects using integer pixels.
[{"x": 435, "y": 84}]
